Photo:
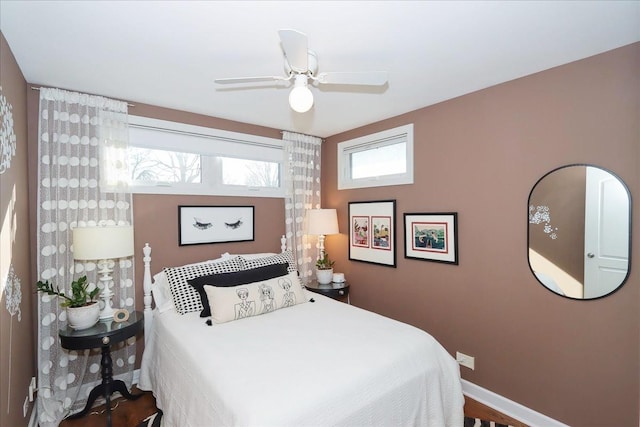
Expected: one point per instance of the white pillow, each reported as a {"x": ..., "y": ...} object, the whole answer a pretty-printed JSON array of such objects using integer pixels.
[
  {"x": 161, "y": 293},
  {"x": 252, "y": 299}
]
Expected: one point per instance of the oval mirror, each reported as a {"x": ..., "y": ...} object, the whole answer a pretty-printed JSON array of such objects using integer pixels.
[{"x": 580, "y": 231}]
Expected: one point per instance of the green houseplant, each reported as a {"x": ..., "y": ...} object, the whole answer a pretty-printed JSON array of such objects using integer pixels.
[
  {"x": 82, "y": 309},
  {"x": 324, "y": 272}
]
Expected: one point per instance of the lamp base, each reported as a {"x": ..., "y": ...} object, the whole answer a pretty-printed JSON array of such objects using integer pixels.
[{"x": 107, "y": 311}]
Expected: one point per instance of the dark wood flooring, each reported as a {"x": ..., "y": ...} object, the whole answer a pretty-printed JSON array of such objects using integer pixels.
[
  {"x": 130, "y": 413},
  {"x": 124, "y": 413}
]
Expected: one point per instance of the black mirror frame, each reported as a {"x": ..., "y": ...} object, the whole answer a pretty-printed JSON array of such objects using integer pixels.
[{"x": 630, "y": 230}]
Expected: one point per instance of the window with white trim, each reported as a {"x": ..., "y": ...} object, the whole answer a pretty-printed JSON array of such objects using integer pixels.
[
  {"x": 379, "y": 159},
  {"x": 175, "y": 158}
]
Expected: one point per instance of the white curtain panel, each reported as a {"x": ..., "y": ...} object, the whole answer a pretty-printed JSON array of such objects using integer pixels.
[
  {"x": 303, "y": 192},
  {"x": 82, "y": 175}
]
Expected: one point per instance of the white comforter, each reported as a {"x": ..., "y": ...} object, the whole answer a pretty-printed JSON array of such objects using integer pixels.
[{"x": 315, "y": 364}]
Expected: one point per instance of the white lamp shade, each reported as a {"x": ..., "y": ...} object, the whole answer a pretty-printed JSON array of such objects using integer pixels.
[
  {"x": 105, "y": 242},
  {"x": 322, "y": 221}
]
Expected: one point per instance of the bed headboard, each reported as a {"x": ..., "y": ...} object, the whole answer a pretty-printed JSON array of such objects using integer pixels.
[{"x": 147, "y": 283}]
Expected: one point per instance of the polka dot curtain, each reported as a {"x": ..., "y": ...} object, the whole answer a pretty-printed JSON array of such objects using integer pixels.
[
  {"x": 82, "y": 182},
  {"x": 303, "y": 192}
]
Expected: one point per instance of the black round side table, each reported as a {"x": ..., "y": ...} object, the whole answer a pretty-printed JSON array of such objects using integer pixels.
[
  {"x": 332, "y": 290},
  {"x": 103, "y": 334}
]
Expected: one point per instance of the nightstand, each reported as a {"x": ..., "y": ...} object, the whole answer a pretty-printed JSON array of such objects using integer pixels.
[
  {"x": 103, "y": 334},
  {"x": 337, "y": 291}
]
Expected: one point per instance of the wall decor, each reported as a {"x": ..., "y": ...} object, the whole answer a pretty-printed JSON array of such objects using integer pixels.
[
  {"x": 585, "y": 254},
  {"x": 372, "y": 232},
  {"x": 431, "y": 237},
  {"x": 7, "y": 135},
  {"x": 199, "y": 225}
]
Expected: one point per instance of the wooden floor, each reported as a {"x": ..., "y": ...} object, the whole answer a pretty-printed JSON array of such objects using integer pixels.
[
  {"x": 124, "y": 413},
  {"x": 475, "y": 409},
  {"x": 130, "y": 413}
]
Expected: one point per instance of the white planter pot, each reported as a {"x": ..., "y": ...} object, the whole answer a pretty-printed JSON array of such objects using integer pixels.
[
  {"x": 83, "y": 317},
  {"x": 324, "y": 277}
]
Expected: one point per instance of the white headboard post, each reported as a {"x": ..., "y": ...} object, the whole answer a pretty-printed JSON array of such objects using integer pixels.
[
  {"x": 148, "y": 314},
  {"x": 283, "y": 243}
]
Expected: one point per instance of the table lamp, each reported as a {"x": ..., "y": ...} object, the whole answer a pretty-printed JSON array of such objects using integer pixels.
[
  {"x": 104, "y": 244},
  {"x": 321, "y": 222}
]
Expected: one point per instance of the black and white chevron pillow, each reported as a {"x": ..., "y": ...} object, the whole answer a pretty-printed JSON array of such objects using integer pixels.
[
  {"x": 185, "y": 297},
  {"x": 281, "y": 258}
]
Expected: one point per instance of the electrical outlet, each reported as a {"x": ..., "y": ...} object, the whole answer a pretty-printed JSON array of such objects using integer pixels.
[
  {"x": 465, "y": 360},
  {"x": 25, "y": 407}
]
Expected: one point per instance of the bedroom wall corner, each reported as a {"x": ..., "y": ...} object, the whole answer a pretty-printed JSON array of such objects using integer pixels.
[
  {"x": 479, "y": 155},
  {"x": 17, "y": 332}
]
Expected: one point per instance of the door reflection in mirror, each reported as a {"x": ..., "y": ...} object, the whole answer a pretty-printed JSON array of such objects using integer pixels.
[{"x": 579, "y": 231}]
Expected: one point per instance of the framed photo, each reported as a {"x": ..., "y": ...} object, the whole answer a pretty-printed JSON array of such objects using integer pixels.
[
  {"x": 201, "y": 225},
  {"x": 431, "y": 237},
  {"x": 372, "y": 232}
]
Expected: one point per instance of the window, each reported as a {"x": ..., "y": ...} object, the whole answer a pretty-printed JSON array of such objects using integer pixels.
[
  {"x": 175, "y": 158},
  {"x": 383, "y": 158}
]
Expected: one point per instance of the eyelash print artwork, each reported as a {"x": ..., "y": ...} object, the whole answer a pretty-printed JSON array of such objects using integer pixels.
[
  {"x": 201, "y": 224},
  {"x": 234, "y": 225}
]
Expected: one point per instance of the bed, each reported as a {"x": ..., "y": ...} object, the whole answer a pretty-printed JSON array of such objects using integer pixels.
[{"x": 318, "y": 362}]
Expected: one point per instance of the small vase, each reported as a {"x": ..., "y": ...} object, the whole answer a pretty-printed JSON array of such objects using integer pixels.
[
  {"x": 324, "y": 277},
  {"x": 83, "y": 317}
]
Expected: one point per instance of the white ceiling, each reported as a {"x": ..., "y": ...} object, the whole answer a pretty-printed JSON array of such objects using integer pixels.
[{"x": 168, "y": 53}]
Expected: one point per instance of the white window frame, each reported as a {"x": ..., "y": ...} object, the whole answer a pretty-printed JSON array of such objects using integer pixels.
[
  {"x": 368, "y": 142},
  {"x": 211, "y": 144}
]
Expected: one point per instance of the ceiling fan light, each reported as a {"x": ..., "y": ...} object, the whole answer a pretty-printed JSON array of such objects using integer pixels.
[{"x": 301, "y": 99}]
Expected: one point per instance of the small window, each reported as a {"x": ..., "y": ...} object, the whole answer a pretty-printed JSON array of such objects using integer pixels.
[
  {"x": 175, "y": 158},
  {"x": 383, "y": 158}
]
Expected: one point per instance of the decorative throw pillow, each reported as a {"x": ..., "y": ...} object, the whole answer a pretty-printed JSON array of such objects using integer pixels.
[
  {"x": 252, "y": 299},
  {"x": 286, "y": 256},
  {"x": 161, "y": 293},
  {"x": 185, "y": 297},
  {"x": 234, "y": 279}
]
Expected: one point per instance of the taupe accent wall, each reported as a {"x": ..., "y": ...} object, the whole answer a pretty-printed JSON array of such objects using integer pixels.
[
  {"x": 575, "y": 361},
  {"x": 17, "y": 351}
]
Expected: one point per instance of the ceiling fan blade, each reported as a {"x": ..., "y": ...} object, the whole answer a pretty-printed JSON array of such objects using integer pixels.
[
  {"x": 294, "y": 45},
  {"x": 232, "y": 80},
  {"x": 367, "y": 78}
]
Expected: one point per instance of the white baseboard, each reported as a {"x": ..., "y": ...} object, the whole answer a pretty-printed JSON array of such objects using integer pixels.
[{"x": 508, "y": 407}]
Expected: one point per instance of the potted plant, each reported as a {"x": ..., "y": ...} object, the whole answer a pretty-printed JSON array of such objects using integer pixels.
[
  {"x": 324, "y": 272},
  {"x": 82, "y": 310}
]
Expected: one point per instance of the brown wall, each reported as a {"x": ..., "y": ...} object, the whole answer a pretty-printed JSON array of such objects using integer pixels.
[
  {"x": 17, "y": 354},
  {"x": 575, "y": 361}
]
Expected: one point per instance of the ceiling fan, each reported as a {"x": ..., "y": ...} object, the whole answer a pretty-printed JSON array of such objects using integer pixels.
[{"x": 301, "y": 65}]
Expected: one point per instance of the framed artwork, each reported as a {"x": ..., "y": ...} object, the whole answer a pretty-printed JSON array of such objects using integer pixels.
[
  {"x": 431, "y": 237},
  {"x": 201, "y": 225},
  {"x": 372, "y": 232}
]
